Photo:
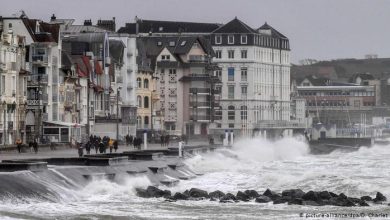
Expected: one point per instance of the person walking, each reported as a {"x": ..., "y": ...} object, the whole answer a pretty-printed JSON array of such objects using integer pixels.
[
  {"x": 101, "y": 147},
  {"x": 19, "y": 145},
  {"x": 115, "y": 145},
  {"x": 111, "y": 144},
  {"x": 80, "y": 149},
  {"x": 88, "y": 147},
  {"x": 35, "y": 146},
  {"x": 162, "y": 139}
]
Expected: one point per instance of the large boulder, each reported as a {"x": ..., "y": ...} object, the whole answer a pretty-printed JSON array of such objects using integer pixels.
[
  {"x": 325, "y": 195},
  {"x": 341, "y": 201},
  {"x": 142, "y": 193},
  {"x": 228, "y": 198},
  {"x": 296, "y": 201},
  {"x": 180, "y": 196},
  {"x": 366, "y": 198},
  {"x": 281, "y": 200},
  {"x": 156, "y": 192},
  {"x": 263, "y": 199},
  {"x": 252, "y": 193},
  {"x": 198, "y": 193},
  {"x": 293, "y": 193},
  {"x": 310, "y": 203},
  {"x": 379, "y": 198},
  {"x": 311, "y": 196},
  {"x": 242, "y": 196},
  {"x": 271, "y": 194},
  {"x": 216, "y": 194}
]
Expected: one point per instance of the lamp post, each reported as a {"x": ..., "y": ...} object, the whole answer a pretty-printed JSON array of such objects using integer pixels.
[
  {"x": 4, "y": 126},
  {"x": 117, "y": 112}
]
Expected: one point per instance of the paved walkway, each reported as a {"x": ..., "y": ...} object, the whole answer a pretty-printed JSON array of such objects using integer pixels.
[{"x": 72, "y": 152}]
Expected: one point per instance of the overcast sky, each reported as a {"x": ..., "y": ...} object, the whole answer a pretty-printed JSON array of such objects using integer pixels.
[{"x": 317, "y": 29}]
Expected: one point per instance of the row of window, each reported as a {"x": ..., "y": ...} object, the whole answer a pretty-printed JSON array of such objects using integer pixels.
[
  {"x": 337, "y": 93},
  {"x": 139, "y": 83},
  {"x": 232, "y": 113},
  {"x": 335, "y": 103},
  {"x": 231, "y": 54},
  {"x": 258, "y": 40},
  {"x": 146, "y": 101},
  {"x": 244, "y": 92},
  {"x": 218, "y": 39},
  {"x": 139, "y": 121},
  {"x": 231, "y": 73}
]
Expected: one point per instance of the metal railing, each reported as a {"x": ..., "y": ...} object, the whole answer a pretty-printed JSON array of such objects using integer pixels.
[
  {"x": 40, "y": 58},
  {"x": 200, "y": 90},
  {"x": 279, "y": 124}
]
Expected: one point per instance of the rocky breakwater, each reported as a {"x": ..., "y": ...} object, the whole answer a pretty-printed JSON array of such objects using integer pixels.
[{"x": 290, "y": 197}]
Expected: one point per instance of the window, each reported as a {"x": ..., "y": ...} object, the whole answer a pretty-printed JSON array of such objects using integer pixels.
[
  {"x": 231, "y": 39},
  {"x": 230, "y": 92},
  {"x": 218, "y": 39},
  {"x": 183, "y": 43},
  {"x": 244, "y": 91},
  {"x": 218, "y": 54},
  {"x": 2, "y": 84},
  {"x": 244, "y": 39},
  {"x": 244, "y": 112},
  {"x": 231, "y": 54},
  {"x": 218, "y": 73},
  {"x": 146, "y": 120},
  {"x": 146, "y": 102},
  {"x": 159, "y": 43},
  {"x": 146, "y": 83},
  {"x": 244, "y": 54},
  {"x": 244, "y": 74},
  {"x": 165, "y": 57},
  {"x": 139, "y": 83},
  {"x": 231, "y": 113},
  {"x": 231, "y": 125},
  {"x": 231, "y": 74},
  {"x": 139, "y": 122},
  {"x": 171, "y": 43},
  {"x": 139, "y": 101}
]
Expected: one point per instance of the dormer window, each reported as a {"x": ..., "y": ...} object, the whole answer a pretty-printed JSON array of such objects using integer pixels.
[
  {"x": 165, "y": 57},
  {"x": 218, "y": 39},
  {"x": 183, "y": 43},
  {"x": 244, "y": 39},
  {"x": 160, "y": 29},
  {"x": 172, "y": 43},
  {"x": 231, "y": 39},
  {"x": 159, "y": 43}
]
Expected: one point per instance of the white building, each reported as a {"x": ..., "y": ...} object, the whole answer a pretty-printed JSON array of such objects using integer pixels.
[{"x": 255, "y": 78}]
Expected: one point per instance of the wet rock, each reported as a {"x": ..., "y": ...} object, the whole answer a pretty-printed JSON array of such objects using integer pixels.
[
  {"x": 271, "y": 194},
  {"x": 156, "y": 192},
  {"x": 333, "y": 194},
  {"x": 252, "y": 193},
  {"x": 341, "y": 201},
  {"x": 343, "y": 196},
  {"x": 379, "y": 198},
  {"x": 187, "y": 193},
  {"x": 198, "y": 193},
  {"x": 242, "y": 196},
  {"x": 170, "y": 199},
  {"x": 216, "y": 194},
  {"x": 363, "y": 203},
  {"x": 293, "y": 193},
  {"x": 180, "y": 196},
  {"x": 228, "y": 198},
  {"x": 142, "y": 193},
  {"x": 355, "y": 200},
  {"x": 311, "y": 195},
  {"x": 296, "y": 201},
  {"x": 325, "y": 195},
  {"x": 263, "y": 199},
  {"x": 366, "y": 198},
  {"x": 167, "y": 194}
]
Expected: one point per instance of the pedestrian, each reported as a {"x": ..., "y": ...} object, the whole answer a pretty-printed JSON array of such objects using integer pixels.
[
  {"x": 111, "y": 144},
  {"x": 162, "y": 139},
  {"x": 80, "y": 149},
  {"x": 30, "y": 145},
  {"x": 115, "y": 145},
  {"x": 167, "y": 140},
  {"x": 101, "y": 147},
  {"x": 19, "y": 145},
  {"x": 131, "y": 140},
  {"x": 88, "y": 147},
  {"x": 35, "y": 146}
]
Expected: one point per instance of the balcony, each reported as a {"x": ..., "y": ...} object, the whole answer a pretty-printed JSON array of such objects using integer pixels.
[
  {"x": 199, "y": 91},
  {"x": 37, "y": 79},
  {"x": 200, "y": 117},
  {"x": 40, "y": 59},
  {"x": 200, "y": 104},
  {"x": 109, "y": 119},
  {"x": 197, "y": 59},
  {"x": 68, "y": 105}
]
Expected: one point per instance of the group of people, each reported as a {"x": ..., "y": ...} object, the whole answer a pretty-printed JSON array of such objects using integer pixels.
[
  {"x": 164, "y": 140},
  {"x": 99, "y": 144},
  {"x": 133, "y": 141}
]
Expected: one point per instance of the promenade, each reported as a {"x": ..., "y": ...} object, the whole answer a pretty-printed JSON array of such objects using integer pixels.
[{"x": 63, "y": 151}]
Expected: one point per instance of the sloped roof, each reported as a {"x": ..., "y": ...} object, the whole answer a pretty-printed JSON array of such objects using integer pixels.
[
  {"x": 47, "y": 32},
  {"x": 146, "y": 26},
  {"x": 235, "y": 26},
  {"x": 274, "y": 32},
  {"x": 314, "y": 80},
  {"x": 83, "y": 29},
  {"x": 363, "y": 76}
]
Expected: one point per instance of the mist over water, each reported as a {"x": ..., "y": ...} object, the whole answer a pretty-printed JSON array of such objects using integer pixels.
[{"x": 250, "y": 164}]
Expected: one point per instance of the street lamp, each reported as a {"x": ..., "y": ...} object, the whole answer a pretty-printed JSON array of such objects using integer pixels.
[{"x": 117, "y": 112}]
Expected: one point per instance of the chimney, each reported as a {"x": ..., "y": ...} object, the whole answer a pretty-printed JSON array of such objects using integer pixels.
[
  {"x": 88, "y": 22},
  {"x": 53, "y": 17}
]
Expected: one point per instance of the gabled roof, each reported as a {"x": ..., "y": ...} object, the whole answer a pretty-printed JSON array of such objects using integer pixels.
[
  {"x": 274, "y": 32},
  {"x": 315, "y": 81},
  {"x": 235, "y": 26},
  {"x": 146, "y": 26},
  {"x": 46, "y": 32},
  {"x": 363, "y": 76}
]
